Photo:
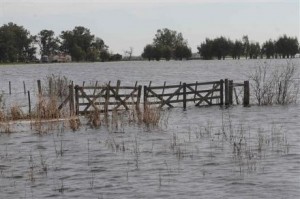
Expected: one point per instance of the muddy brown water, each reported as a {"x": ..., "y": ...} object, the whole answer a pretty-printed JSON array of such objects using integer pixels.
[{"x": 206, "y": 152}]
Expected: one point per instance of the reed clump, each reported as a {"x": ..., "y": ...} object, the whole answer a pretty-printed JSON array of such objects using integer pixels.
[
  {"x": 16, "y": 113},
  {"x": 58, "y": 85},
  {"x": 151, "y": 115},
  {"x": 46, "y": 108}
]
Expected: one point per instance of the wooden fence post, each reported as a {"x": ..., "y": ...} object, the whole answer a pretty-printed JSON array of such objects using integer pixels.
[
  {"x": 29, "y": 103},
  {"x": 9, "y": 87},
  {"x": 246, "y": 100},
  {"x": 76, "y": 100},
  {"x": 39, "y": 87},
  {"x": 221, "y": 92},
  {"x": 71, "y": 99},
  {"x": 24, "y": 86},
  {"x": 184, "y": 95},
  {"x": 138, "y": 100},
  {"x": 230, "y": 92},
  {"x": 50, "y": 86},
  {"x": 226, "y": 93},
  {"x": 145, "y": 98}
]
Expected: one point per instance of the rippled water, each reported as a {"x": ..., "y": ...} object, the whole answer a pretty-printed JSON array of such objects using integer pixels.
[{"x": 197, "y": 153}]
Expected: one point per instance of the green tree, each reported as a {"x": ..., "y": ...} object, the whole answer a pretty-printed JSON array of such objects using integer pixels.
[
  {"x": 182, "y": 51},
  {"x": 221, "y": 47},
  {"x": 237, "y": 49},
  {"x": 165, "y": 43},
  {"x": 47, "y": 42},
  {"x": 246, "y": 46},
  {"x": 254, "y": 50},
  {"x": 77, "y": 42},
  {"x": 104, "y": 55},
  {"x": 16, "y": 44},
  {"x": 148, "y": 52},
  {"x": 268, "y": 49},
  {"x": 167, "y": 37},
  {"x": 206, "y": 49}
]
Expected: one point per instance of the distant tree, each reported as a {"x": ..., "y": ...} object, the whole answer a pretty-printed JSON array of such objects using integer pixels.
[
  {"x": 181, "y": 52},
  {"x": 221, "y": 47},
  {"x": 246, "y": 46},
  {"x": 104, "y": 55},
  {"x": 148, "y": 52},
  {"x": 237, "y": 49},
  {"x": 254, "y": 50},
  {"x": 206, "y": 49},
  {"x": 16, "y": 44},
  {"x": 157, "y": 53},
  {"x": 115, "y": 57},
  {"x": 166, "y": 52},
  {"x": 268, "y": 49},
  {"x": 77, "y": 42},
  {"x": 166, "y": 44},
  {"x": 48, "y": 43},
  {"x": 167, "y": 37},
  {"x": 128, "y": 53}
]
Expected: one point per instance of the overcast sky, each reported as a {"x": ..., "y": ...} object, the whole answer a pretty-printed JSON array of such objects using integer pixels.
[{"x": 131, "y": 23}]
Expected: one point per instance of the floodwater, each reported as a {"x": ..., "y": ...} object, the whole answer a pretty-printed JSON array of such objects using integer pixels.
[{"x": 207, "y": 152}]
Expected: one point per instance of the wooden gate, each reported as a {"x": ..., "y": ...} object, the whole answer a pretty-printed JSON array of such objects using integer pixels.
[
  {"x": 205, "y": 93},
  {"x": 106, "y": 98}
]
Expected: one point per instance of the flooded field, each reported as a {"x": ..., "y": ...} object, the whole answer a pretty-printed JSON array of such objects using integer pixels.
[{"x": 207, "y": 152}]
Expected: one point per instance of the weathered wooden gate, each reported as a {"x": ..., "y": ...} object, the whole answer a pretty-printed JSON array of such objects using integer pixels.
[
  {"x": 204, "y": 93},
  {"x": 106, "y": 98}
]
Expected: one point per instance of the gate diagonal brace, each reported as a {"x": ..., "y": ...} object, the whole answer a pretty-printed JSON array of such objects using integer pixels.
[
  {"x": 126, "y": 98},
  {"x": 94, "y": 99},
  {"x": 160, "y": 98},
  {"x": 167, "y": 101},
  {"x": 90, "y": 101},
  {"x": 117, "y": 97},
  {"x": 205, "y": 97}
]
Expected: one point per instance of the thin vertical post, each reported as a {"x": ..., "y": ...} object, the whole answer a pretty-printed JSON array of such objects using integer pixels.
[
  {"x": 50, "y": 86},
  {"x": 9, "y": 87},
  {"x": 178, "y": 93},
  {"x": 77, "y": 100},
  {"x": 24, "y": 86},
  {"x": 196, "y": 87},
  {"x": 236, "y": 96},
  {"x": 230, "y": 92},
  {"x": 226, "y": 92},
  {"x": 118, "y": 87},
  {"x": 138, "y": 101},
  {"x": 29, "y": 103},
  {"x": 39, "y": 86},
  {"x": 107, "y": 97},
  {"x": 221, "y": 92},
  {"x": 71, "y": 99},
  {"x": 184, "y": 96},
  {"x": 246, "y": 93},
  {"x": 145, "y": 97}
]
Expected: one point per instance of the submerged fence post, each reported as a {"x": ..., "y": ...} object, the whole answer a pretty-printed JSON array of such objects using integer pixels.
[
  {"x": 9, "y": 87},
  {"x": 71, "y": 99},
  {"x": 29, "y": 103},
  {"x": 230, "y": 92},
  {"x": 39, "y": 86},
  {"x": 221, "y": 92},
  {"x": 184, "y": 96},
  {"x": 138, "y": 100},
  {"x": 246, "y": 100},
  {"x": 76, "y": 100},
  {"x": 226, "y": 92},
  {"x": 24, "y": 86},
  {"x": 145, "y": 98}
]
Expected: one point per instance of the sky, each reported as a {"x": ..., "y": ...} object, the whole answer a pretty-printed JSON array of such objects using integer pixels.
[{"x": 133, "y": 23}]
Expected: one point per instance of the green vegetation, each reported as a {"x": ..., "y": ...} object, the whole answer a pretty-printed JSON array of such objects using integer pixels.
[
  {"x": 284, "y": 47},
  {"x": 167, "y": 44},
  {"x": 17, "y": 45}
]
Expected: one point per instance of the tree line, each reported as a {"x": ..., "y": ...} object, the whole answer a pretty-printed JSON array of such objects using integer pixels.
[
  {"x": 18, "y": 45},
  {"x": 221, "y": 47}
]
